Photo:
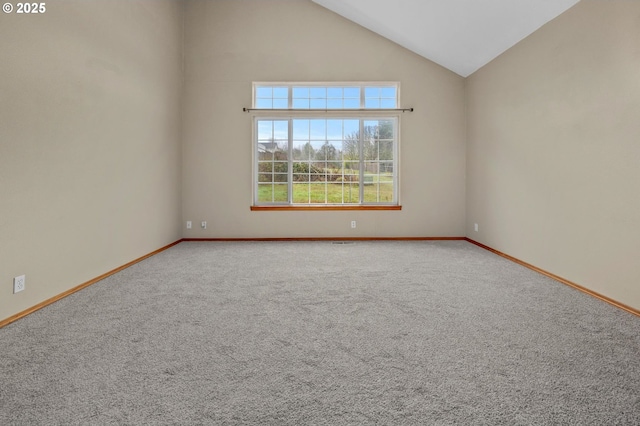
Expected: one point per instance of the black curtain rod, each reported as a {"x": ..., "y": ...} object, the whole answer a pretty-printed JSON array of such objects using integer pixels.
[{"x": 330, "y": 110}]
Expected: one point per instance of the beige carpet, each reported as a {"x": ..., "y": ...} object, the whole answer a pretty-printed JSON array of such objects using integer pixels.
[{"x": 294, "y": 333}]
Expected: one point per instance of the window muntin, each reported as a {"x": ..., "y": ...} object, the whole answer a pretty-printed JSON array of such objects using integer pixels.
[
  {"x": 272, "y": 97},
  {"x": 314, "y": 96},
  {"x": 380, "y": 97},
  {"x": 326, "y": 161},
  {"x": 311, "y": 158}
]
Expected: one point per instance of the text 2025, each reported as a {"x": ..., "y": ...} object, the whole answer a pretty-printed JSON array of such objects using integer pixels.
[{"x": 31, "y": 8}]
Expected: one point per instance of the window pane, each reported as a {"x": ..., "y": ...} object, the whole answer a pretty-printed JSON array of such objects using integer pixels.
[
  {"x": 273, "y": 162},
  {"x": 281, "y": 92},
  {"x": 318, "y": 97},
  {"x": 386, "y": 129},
  {"x": 272, "y": 193},
  {"x": 301, "y": 193},
  {"x": 300, "y": 92},
  {"x": 273, "y": 130},
  {"x": 265, "y": 130},
  {"x": 280, "y": 103},
  {"x": 322, "y": 97},
  {"x": 386, "y": 150},
  {"x": 270, "y": 166},
  {"x": 371, "y": 171},
  {"x": 317, "y": 193},
  {"x": 268, "y": 97},
  {"x": 281, "y": 130},
  {"x": 334, "y": 92},
  {"x": 318, "y": 129},
  {"x": 303, "y": 150},
  {"x": 264, "y": 92},
  {"x": 334, "y": 103},
  {"x": 388, "y": 92},
  {"x": 372, "y": 103},
  {"x": 372, "y": 92},
  {"x": 300, "y": 129},
  {"x": 265, "y": 193},
  {"x": 352, "y": 92},
  {"x": 264, "y": 103},
  {"x": 318, "y": 172},
  {"x": 301, "y": 103},
  {"x": 318, "y": 103},
  {"x": 351, "y": 103},
  {"x": 378, "y": 193},
  {"x": 321, "y": 160},
  {"x": 280, "y": 193},
  {"x": 280, "y": 177},
  {"x": 334, "y": 130},
  {"x": 351, "y": 148},
  {"x": 387, "y": 103},
  {"x": 350, "y": 185},
  {"x": 318, "y": 92},
  {"x": 265, "y": 177},
  {"x": 327, "y": 153},
  {"x": 386, "y": 171},
  {"x": 351, "y": 127},
  {"x": 351, "y": 170},
  {"x": 381, "y": 97},
  {"x": 317, "y": 145}
]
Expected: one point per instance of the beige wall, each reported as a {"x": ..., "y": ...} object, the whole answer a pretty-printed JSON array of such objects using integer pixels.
[
  {"x": 104, "y": 153},
  {"x": 553, "y": 157},
  {"x": 89, "y": 141},
  {"x": 229, "y": 44}
]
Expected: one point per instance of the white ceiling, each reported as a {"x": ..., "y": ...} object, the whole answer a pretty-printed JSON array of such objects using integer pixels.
[{"x": 460, "y": 35}]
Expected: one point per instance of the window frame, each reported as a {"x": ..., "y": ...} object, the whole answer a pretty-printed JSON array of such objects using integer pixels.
[
  {"x": 291, "y": 114},
  {"x": 328, "y": 84}
]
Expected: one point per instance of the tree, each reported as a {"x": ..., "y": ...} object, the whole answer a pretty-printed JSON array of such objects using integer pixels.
[
  {"x": 308, "y": 152},
  {"x": 377, "y": 143},
  {"x": 327, "y": 156}
]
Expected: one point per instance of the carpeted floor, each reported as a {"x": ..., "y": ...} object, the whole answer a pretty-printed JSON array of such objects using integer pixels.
[{"x": 317, "y": 333}]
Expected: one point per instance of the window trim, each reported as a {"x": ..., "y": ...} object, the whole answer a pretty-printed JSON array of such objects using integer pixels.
[
  {"x": 360, "y": 84},
  {"x": 329, "y": 113},
  {"x": 324, "y": 206},
  {"x": 321, "y": 207}
]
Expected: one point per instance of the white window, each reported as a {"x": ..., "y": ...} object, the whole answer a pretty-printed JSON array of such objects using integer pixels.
[{"x": 326, "y": 145}]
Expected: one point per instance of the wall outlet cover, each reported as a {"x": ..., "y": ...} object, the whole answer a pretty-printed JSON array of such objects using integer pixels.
[{"x": 19, "y": 284}]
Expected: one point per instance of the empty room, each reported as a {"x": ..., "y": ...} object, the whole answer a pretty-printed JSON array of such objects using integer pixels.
[{"x": 298, "y": 212}]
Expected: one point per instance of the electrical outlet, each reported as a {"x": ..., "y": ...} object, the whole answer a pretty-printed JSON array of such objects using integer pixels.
[
  {"x": 203, "y": 224},
  {"x": 475, "y": 226},
  {"x": 353, "y": 223},
  {"x": 19, "y": 284},
  {"x": 188, "y": 224}
]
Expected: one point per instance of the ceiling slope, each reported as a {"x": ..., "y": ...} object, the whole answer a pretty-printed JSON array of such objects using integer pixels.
[{"x": 460, "y": 35}]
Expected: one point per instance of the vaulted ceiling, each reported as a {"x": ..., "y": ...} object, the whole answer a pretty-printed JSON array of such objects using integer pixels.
[{"x": 460, "y": 35}]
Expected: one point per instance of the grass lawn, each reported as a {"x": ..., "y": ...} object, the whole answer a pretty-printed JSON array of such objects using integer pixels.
[{"x": 326, "y": 192}]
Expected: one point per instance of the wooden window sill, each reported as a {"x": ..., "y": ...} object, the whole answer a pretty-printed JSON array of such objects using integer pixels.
[{"x": 322, "y": 208}]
